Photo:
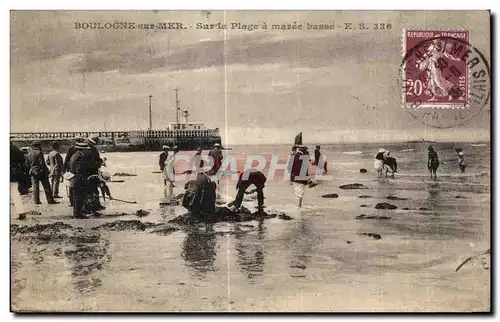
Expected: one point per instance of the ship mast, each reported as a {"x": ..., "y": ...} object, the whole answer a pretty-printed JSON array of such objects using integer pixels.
[
  {"x": 150, "y": 119},
  {"x": 177, "y": 108}
]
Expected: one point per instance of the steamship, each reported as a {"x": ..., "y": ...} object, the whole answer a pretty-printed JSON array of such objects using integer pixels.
[{"x": 185, "y": 134}]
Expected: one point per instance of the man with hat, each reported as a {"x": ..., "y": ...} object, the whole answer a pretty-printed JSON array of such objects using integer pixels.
[
  {"x": 39, "y": 174},
  {"x": 97, "y": 162},
  {"x": 55, "y": 161},
  {"x": 71, "y": 150},
  {"x": 163, "y": 157},
  {"x": 18, "y": 169},
  {"x": 82, "y": 166},
  {"x": 216, "y": 155}
]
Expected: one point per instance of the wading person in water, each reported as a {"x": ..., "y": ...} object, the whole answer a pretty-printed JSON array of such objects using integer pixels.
[
  {"x": 320, "y": 161},
  {"x": 432, "y": 162},
  {"x": 378, "y": 163},
  {"x": 300, "y": 173},
  {"x": 460, "y": 160}
]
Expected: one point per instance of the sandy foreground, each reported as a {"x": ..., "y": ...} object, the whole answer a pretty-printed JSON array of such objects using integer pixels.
[{"x": 123, "y": 262}]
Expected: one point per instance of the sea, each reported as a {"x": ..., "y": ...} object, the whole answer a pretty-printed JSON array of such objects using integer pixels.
[{"x": 326, "y": 258}]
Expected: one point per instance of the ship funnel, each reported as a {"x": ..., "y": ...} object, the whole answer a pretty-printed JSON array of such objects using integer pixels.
[{"x": 185, "y": 115}]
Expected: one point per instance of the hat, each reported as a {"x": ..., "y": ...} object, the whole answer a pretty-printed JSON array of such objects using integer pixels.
[
  {"x": 81, "y": 145},
  {"x": 430, "y": 148},
  {"x": 165, "y": 147},
  {"x": 93, "y": 138},
  {"x": 217, "y": 144},
  {"x": 317, "y": 146},
  {"x": 105, "y": 176},
  {"x": 381, "y": 150},
  {"x": 36, "y": 143}
]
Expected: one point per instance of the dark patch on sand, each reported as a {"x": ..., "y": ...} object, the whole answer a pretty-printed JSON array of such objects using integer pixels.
[
  {"x": 395, "y": 198},
  {"x": 122, "y": 225},
  {"x": 353, "y": 186},
  {"x": 365, "y": 197},
  {"x": 372, "y": 235},
  {"x": 123, "y": 174},
  {"x": 330, "y": 195},
  {"x": 363, "y": 170},
  {"x": 385, "y": 205},
  {"x": 363, "y": 216}
]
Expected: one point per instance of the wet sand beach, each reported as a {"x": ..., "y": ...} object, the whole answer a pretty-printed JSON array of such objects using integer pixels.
[{"x": 328, "y": 257}]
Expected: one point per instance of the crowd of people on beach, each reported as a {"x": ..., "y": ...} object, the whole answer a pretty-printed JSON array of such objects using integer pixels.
[{"x": 86, "y": 183}]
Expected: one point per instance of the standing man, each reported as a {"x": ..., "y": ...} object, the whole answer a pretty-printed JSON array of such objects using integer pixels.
[
  {"x": 300, "y": 173},
  {"x": 432, "y": 161},
  {"x": 95, "y": 165},
  {"x": 82, "y": 166},
  {"x": 169, "y": 174},
  {"x": 55, "y": 161},
  {"x": 18, "y": 171},
  {"x": 163, "y": 157},
  {"x": 216, "y": 155},
  {"x": 39, "y": 173},
  {"x": 246, "y": 179},
  {"x": 71, "y": 150}
]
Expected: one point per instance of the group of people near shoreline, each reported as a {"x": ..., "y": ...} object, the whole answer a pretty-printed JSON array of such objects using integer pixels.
[
  {"x": 384, "y": 162},
  {"x": 80, "y": 171}
]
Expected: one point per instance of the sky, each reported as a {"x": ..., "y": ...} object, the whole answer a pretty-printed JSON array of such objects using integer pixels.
[{"x": 258, "y": 87}]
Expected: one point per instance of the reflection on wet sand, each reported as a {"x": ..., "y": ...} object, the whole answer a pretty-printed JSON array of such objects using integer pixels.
[
  {"x": 301, "y": 244},
  {"x": 250, "y": 253},
  {"x": 198, "y": 250}
]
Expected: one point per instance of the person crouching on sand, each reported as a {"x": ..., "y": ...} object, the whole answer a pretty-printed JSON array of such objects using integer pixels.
[
  {"x": 245, "y": 180},
  {"x": 378, "y": 164},
  {"x": 432, "y": 161},
  {"x": 300, "y": 173}
]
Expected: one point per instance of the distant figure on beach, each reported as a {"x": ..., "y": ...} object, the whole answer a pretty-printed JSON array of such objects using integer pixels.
[
  {"x": 245, "y": 180},
  {"x": 55, "y": 162},
  {"x": 216, "y": 155},
  {"x": 163, "y": 157},
  {"x": 320, "y": 161},
  {"x": 71, "y": 150},
  {"x": 432, "y": 161},
  {"x": 460, "y": 160},
  {"x": 390, "y": 164},
  {"x": 300, "y": 173},
  {"x": 39, "y": 174},
  {"x": 378, "y": 164}
]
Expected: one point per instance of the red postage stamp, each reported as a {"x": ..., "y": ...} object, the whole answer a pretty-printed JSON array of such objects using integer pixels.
[{"x": 435, "y": 71}]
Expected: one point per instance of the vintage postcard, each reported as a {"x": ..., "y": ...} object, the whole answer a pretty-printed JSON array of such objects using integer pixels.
[{"x": 250, "y": 161}]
